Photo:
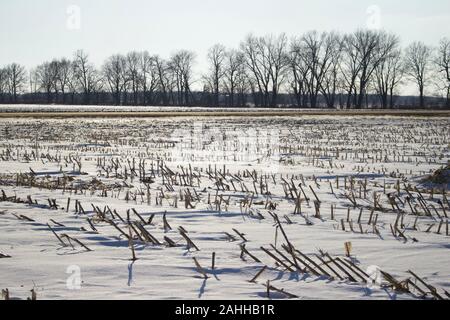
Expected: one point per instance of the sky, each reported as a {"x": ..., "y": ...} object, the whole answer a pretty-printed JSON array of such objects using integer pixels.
[{"x": 34, "y": 31}]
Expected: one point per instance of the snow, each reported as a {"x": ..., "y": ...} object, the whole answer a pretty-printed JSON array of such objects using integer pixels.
[
  {"x": 94, "y": 108},
  {"x": 382, "y": 150}
]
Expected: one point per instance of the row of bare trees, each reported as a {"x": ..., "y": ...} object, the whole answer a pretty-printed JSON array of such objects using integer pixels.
[
  {"x": 137, "y": 78},
  {"x": 317, "y": 69},
  {"x": 356, "y": 70}
]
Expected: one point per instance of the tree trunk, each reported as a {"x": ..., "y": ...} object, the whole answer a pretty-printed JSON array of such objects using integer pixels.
[{"x": 422, "y": 99}]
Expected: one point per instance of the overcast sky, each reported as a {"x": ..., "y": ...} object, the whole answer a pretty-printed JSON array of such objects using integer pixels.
[{"x": 32, "y": 31}]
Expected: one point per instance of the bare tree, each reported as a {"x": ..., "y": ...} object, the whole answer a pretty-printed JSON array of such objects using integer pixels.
[
  {"x": 133, "y": 60},
  {"x": 278, "y": 64},
  {"x": 368, "y": 43},
  {"x": 417, "y": 64},
  {"x": 114, "y": 72},
  {"x": 242, "y": 85},
  {"x": 267, "y": 61},
  {"x": 85, "y": 75},
  {"x": 388, "y": 76},
  {"x": 3, "y": 83},
  {"x": 46, "y": 77},
  {"x": 181, "y": 64},
  {"x": 54, "y": 67},
  {"x": 98, "y": 84},
  {"x": 330, "y": 78},
  {"x": 364, "y": 50},
  {"x": 298, "y": 73},
  {"x": 164, "y": 83},
  {"x": 316, "y": 56},
  {"x": 216, "y": 59},
  {"x": 72, "y": 83},
  {"x": 256, "y": 58},
  {"x": 16, "y": 76},
  {"x": 234, "y": 74},
  {"x": 63, "y": 76},
  {"x": 33, "y": 80},
  {"x": 148, "y": 76},
  {"x": 350, "y": 67},
  {"x": 442, "y": 62}
]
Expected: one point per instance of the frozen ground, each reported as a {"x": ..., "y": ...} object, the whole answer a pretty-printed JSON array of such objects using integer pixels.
[{"x": 290, "y": 191}]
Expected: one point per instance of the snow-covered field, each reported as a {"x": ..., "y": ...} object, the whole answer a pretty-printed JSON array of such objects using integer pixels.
[
  {"x": 93, "y": 108},
  {"x": 281, "y": 195}
]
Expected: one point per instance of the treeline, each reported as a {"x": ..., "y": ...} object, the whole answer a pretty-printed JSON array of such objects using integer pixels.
[{"x": 362, "y": 69}]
